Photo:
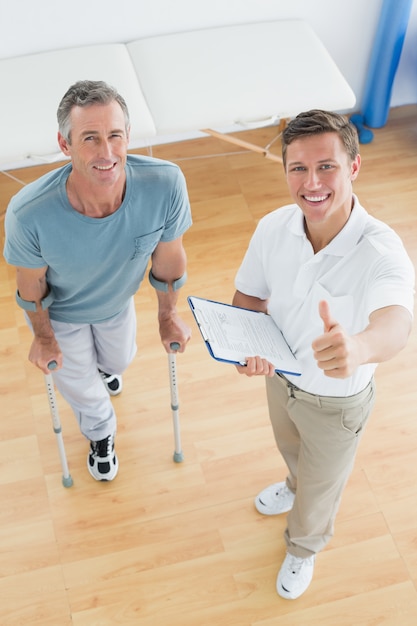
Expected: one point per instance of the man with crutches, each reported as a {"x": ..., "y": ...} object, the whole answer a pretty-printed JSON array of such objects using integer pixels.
[{"x": 81, "y": 238}]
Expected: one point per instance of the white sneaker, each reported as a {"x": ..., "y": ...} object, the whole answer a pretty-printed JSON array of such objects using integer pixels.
[
  {"x": 275, "y": 499},
  {"x": 294, "y": 576}
]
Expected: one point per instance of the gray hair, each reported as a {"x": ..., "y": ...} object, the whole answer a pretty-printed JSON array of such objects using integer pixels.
[
  {"x": 85, "y": 93},
  {"x": 316, "y": 122}
]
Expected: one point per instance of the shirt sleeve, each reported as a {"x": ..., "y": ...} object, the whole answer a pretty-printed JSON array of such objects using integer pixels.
[
  {"x": 21, "y": 246},
  {"x": 393, "y": 281},
  {"x": 251, "y": 276},
  {"x": 179, "y": 216}
]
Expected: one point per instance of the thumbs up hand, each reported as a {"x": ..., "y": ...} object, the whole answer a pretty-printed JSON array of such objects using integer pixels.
[{"x": 335, "y": 351}]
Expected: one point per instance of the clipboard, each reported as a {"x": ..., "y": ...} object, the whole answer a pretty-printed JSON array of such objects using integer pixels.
[{"x": 232, "y": 334}]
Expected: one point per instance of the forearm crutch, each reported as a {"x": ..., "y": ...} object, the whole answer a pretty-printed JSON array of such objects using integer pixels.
[
  {"x": 53, "y": 407},
  {"x": 172, "y": 364}
]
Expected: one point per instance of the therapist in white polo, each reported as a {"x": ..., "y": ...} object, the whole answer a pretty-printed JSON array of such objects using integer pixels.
[{"x": 340, "y": 286}]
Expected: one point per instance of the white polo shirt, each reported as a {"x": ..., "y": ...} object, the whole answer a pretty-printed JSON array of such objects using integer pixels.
[{"x": 364, "y": 268}]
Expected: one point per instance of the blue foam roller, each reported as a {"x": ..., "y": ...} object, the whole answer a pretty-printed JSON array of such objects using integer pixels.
[
  {"x": 365, "y": 135},
  {"x": 384, "y": 61}
]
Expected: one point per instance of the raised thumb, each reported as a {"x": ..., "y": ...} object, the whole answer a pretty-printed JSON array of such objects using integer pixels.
[{"x": 324, "y": 312}]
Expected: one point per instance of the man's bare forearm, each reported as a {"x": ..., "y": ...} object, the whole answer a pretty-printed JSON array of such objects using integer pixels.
[
  {"x": 33, "y": 287},
  {"x": 250, "y": 302}
]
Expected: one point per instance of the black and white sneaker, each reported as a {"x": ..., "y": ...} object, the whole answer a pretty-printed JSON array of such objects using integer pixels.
[
  {"x": 112, "y": 382},
  {"x": 102, "y": 461}
]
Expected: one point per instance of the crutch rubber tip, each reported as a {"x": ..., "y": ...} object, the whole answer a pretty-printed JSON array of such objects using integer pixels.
[
  {"x": 67, "y": 481},
  {"x": 178, "y": 457}
]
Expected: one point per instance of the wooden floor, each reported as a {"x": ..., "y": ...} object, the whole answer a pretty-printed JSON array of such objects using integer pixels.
[{"x": 182, "y": 544}]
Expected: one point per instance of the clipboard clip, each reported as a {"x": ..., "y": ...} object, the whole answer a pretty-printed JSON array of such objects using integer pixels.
[{"x": 202, "y": 327}]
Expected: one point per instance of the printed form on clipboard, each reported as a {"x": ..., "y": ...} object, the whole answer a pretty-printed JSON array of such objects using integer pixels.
[{"x": 232, "y": 334}]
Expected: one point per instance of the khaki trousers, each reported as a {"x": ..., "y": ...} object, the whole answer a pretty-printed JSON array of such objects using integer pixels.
[{"x": 318, "y": 437}]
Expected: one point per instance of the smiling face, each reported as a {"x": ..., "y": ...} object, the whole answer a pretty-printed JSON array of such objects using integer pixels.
[
  {"x": 99, "y": 142},
  {"x": 319, "y": 174}
]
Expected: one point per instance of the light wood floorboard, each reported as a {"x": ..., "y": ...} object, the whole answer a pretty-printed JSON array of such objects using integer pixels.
[{"x": 181, "y": 544}]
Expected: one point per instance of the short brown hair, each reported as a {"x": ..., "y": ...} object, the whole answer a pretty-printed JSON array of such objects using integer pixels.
[{"x": 316, "y": 122}]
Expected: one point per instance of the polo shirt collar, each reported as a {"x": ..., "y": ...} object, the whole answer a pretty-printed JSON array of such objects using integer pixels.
[{"x": 346, "y": 239}]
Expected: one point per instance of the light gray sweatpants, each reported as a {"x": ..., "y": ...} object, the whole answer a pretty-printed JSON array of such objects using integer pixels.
[
  {"x": 86, "y": 348},
  {"x": 318, "y": 437}
]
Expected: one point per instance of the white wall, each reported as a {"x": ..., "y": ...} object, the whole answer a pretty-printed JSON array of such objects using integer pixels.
[
  {"x": 405, "y": 85},
  {"x": 346, "y": 27}
]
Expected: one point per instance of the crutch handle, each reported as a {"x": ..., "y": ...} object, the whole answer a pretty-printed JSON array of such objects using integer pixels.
[
  {"x": 175, "y": 346},
  {"x": 52, "y": 365}
]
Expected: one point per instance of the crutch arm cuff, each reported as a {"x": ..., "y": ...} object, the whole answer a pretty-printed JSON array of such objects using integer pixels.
[
  {"x": 31, "y": 306},
  {"x": 163, "y": 286}
]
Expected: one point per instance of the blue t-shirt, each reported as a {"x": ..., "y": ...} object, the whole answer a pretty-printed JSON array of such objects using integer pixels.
[{"x": 95, "y": 265}]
